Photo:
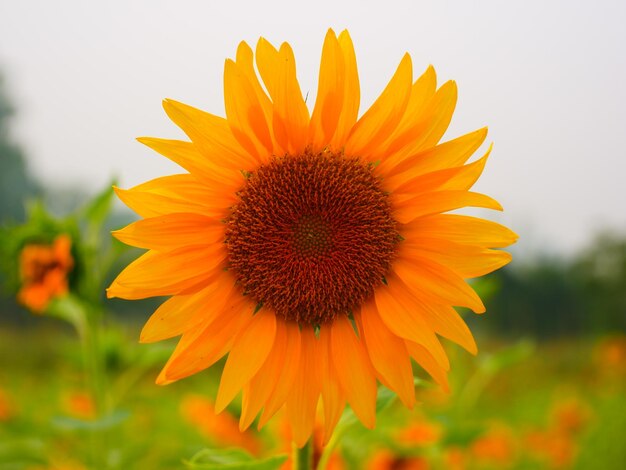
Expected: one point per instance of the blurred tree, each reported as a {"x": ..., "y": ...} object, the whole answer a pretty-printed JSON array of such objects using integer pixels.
[
  {"x": 585, "y": 294},
  {"x": 599, "y": 274},
  {"x": 16, "y": 185}
]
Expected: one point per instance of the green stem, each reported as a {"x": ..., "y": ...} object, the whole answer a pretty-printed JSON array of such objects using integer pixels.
[{"x": 303, "y": 457}]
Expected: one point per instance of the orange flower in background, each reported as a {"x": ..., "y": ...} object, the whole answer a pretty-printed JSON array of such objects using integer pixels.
[
  {"x": 497, "y": 446},
  {"x": 7, "y": 410},
  {"x": 80, "y": 405},
  {"x": 385, "y": 460},
  {"x": 43, "y": 272},
  {"x": 313, "y": 248},
  {"x": 222, "y": 429}
]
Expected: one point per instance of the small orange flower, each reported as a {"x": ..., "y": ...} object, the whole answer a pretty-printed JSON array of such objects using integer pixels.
[
  {"x": 385, "y": 460},
  {"x": 43, "y": 271},
  {"x": 80, "y": 405},
  {"x": 556, "y": 449},
  {"x": 222, "y": 428},
  {"x": 6, "y": 407},
  {"x": 420, "y": 433},
  {"x": 570, "y": 417},
  {"x": 497, "y": 446}
]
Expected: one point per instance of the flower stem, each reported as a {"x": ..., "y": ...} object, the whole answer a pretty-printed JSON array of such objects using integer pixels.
[{"x": 303, "y": 457}]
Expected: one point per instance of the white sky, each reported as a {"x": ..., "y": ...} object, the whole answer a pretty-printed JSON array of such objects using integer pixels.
[{"x": 548, "y": 77}]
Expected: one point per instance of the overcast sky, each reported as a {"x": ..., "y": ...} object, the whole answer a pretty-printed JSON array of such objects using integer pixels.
[{"x": 547, "y": 77}]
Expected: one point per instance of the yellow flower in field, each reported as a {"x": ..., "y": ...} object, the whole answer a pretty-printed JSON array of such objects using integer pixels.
[
  {"x": 312, "y": 248},
  {"x": 43, "y": 271}
]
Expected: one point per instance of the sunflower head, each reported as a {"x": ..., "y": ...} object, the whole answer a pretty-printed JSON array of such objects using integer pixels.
[
  {"x": 315, "y": 249},
  {"x": 44, "y": 270}
]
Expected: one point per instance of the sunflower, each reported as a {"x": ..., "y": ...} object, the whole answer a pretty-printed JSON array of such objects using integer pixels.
[
  {"x": 313, "y": 249},
  {"x": 43, "y": 272}
]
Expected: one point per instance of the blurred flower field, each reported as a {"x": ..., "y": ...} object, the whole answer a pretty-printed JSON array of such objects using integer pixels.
[{"x": 552, "y": 405}]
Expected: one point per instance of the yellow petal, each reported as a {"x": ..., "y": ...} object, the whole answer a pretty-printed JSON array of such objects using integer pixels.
[
  {"x": 171, "y": 231},
  {"x": 354, "y": 370},
  {"x": 247, "y": 356},
  {"x": 187, "y": 155},
  {"x": 351, "y": 93},
  {"x": 333, "y": 398},
  {"x": 291, "y": 116},
  {"x": 388, "y": 354},
  {"x": 257, "y": 392},
  {"x": 181, "y": 313},
  {"x": 441, "y": 318},
  {"x": 303, "y": 397},
  {"x": 291, "y": 367},
  {"x": 413, "y": 123},
  {"x": 432, "y": 280},
  {"x": 171, "y": 273},
  {"x": 459, "y": 178},
  {"x": 466, "y": 260},
  {"x": 381, "y": 119},
  {"x": 176, "y": 193},
  {"x": 397, "y": 314},
  {"x": 461, "y": 229},
  {"x": 446, "y": 155},
  {"x": 211, "y": 134},
  {"x": 407, "y": 210},
  {"x": 214, "y": 341},
  {"x": 245, "y": 114},
  {"x": 330, "y": 89},
  {"x": 425, "y": 359}
]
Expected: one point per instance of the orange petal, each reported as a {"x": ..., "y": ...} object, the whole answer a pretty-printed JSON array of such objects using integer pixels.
[
  {"x": 303, "y": 397},
  {"x": 388, "y": 354},
  {"x": 354, "y": 370},
  {"x": 247, "y": 356},
  {"x": 171, "y": 231},
  {"x": 351, "y": 93},
  {"x": 413, "y": 123},
  {"x": 184, "y": 312},
  {"x": 177, "y": 193},
  {"x": 466, "y": 260},
  {"x": 170, "y": 273},
  {"x": 459, "y": 178},
  {"x": 425, "y": 359},
  {"x": 381, "y": 119},
  {"x": 396, "y": 313},
  {"x": 461, "y": 229},
  {"x": 442, "y": 319},
  {"x": 291, "y": 116},
  {"x": 245, "y": 114},
  {"x": 290, "y": 369},
  {"x": 446, "y": 155},
  {"x": 187, "y": 155},
  {"x": 330, "y": 89},
  {"x": 432, "y": 280},
  {"x": 257, "y": 392},
  {"x": 211, "y": 344},
  {"x": 332, "y": 396},
  {"x": 440, "y": 201},
  {"x": 211, "y": 134}
]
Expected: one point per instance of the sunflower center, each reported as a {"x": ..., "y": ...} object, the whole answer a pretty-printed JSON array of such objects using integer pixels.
[{"x": 311, "y": 235}]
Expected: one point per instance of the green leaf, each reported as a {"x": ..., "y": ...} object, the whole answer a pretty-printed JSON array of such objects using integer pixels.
[
  {"x": 232, "y": 459},
  {"x": 106, "y": 422},
  {"x": 22, "y": 451},
  {"x": 97, "y": 210},
  {"x": 508, "y": 357}
]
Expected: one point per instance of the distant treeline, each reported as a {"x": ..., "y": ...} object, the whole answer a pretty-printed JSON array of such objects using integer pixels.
[{"x": 583, "y": 294}]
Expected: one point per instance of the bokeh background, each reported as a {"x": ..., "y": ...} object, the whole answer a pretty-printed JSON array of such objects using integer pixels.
[{"x": 80, "y": 80}]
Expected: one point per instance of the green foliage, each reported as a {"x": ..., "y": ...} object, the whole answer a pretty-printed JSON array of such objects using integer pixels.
[
  {"x": 232, "y": 459},
  {"x": 16, "y": 185}
]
